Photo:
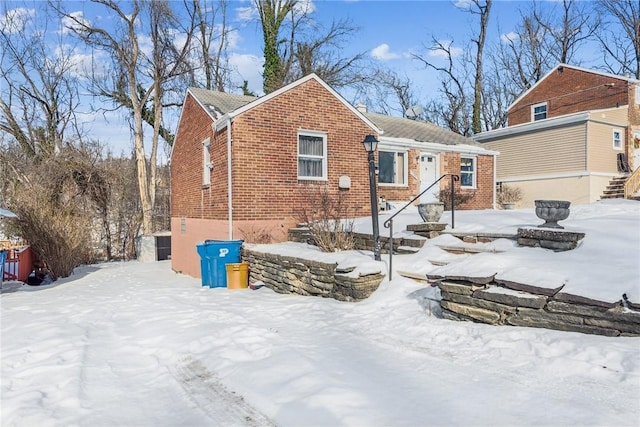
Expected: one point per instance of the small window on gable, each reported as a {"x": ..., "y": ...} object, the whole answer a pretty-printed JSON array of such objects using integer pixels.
[
  {"x": 617, "y": 139},
  {"x": 468, "y": 172},
  {"x": 312, "y": 155},
  {"x": 539, "y": 112},
  {"x": 393, "y": 167},
  {"x": 206, "y": 163}
]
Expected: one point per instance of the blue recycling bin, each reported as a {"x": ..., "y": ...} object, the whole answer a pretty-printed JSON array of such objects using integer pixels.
[
  {"x": 3, "y": 258},
  {"x": 214, "y": 256}
]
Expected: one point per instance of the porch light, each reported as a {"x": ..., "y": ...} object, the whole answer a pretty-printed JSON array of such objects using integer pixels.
[{"x": 370, "y": 145}]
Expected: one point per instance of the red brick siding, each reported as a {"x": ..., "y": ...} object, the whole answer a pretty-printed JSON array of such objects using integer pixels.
[
  {"x": 449, "y": 163},
  {"x": 571, "y": 91},
  {"x": 186, "y": 162},
  {"x": 483, "y": 193}
]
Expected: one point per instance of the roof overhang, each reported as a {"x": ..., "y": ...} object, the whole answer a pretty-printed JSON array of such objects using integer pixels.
[
  {"x": 406, "y": 143},
  {"x": 570, "y": 119}
]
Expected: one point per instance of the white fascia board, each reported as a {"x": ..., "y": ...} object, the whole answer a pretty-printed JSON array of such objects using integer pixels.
[
  {"x": 532, "y": 127},
  {"x": 221, "y": 123},
  {"x": 406, "y": 143}
]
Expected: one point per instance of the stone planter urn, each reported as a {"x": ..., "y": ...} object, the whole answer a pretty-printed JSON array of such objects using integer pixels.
[
  {"x": 552, "y": 211},
  {"x": 431, "y": 212}
]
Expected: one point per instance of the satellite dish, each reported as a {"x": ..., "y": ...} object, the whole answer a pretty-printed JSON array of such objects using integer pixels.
[{"x": 413, "y": 112}]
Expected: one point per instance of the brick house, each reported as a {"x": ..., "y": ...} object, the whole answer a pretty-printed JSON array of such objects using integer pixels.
[
  {"x": 241, "y": 166},
  {"x": 569, "y": 136}
]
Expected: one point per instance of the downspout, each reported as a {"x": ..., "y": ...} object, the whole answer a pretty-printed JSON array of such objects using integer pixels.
[
  {"x": 229, "y": 177},
  {"x": 495, "y": 177}
]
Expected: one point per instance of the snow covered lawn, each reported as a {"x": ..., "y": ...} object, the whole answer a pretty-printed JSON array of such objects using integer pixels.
[{"x": 136, "y": 344}]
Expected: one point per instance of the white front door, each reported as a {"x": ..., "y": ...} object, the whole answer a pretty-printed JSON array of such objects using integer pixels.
[{"x": 428, "y": 175}]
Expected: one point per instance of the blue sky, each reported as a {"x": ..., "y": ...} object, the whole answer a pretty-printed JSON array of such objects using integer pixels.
[{"x": 389, "y": 32}]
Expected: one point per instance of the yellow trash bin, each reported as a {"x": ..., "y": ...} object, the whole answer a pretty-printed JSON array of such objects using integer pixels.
[{"x": 238, "y": 275}]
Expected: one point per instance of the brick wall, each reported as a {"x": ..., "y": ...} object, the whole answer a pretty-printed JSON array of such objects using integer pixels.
[
  {"x": 483, "y": 193},
  {"x": 265, "y": 147},
  {"x": 568, "y": 91},
  {"x": 187, "y": 194},
  {"x": 449, "y": 163}
]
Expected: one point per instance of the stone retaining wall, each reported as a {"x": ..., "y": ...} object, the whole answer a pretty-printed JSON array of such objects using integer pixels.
[
  {"x": 498, "y": 302},
  {"x": 286, "y": 275},
  {"x": 362, "y": 241}
]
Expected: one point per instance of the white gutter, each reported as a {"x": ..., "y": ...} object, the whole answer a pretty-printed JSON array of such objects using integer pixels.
[
  {"x": 229, "y": 183},
  {"x": 405, "y": 143}
]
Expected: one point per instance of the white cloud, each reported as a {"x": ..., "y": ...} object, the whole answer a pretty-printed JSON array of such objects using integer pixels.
[
  {"x": 247, "y": 13},
  {"x": 463, "y": 4},
  {"x": 509, "y": 37},
  {"x": 14, "y": 20},
  {"x": 383, "y": 53},
  {"x": 249, "y": 68},
  {"x": 438, "y": 52},
  {"x": 73, "y": 22}
]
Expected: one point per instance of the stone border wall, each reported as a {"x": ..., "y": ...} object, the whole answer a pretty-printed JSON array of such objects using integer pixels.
[
  {"x": 290, "y": 275},
  {"x": 476, "y": 299},
  {"x": 362, "y": 241}
]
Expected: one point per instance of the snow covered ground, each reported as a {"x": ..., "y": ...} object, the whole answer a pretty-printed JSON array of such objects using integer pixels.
[{"x": 136, "y": 344}]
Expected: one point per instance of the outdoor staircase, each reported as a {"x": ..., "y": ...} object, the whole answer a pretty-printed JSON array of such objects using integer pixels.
[{"x": 615, "y": 189}]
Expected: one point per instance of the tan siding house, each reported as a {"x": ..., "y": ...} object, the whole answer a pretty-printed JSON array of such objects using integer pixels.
[{"x": 565, "y": 135}]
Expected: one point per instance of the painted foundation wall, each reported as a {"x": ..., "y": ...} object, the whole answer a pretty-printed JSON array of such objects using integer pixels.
[
  {"x": 578, "y": 190},
  {"x": 188, "y": 232}
]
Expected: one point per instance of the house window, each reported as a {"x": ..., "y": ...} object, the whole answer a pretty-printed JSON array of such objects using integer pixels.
[
  {"x": 539, "y": 112},
  {"x": 312, "y": 155},
  {"x": 617, "y": 139},
  {"x": 392, "y": 167},
  {"x": 468, "y": 172},
  {"x": 206, "y": 163}
]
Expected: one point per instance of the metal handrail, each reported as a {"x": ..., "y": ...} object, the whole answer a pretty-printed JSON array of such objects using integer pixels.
[{"x": 389, "y": 222}]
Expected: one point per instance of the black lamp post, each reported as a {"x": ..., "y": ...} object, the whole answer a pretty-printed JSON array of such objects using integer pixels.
[{"x": 370, "y": 145}]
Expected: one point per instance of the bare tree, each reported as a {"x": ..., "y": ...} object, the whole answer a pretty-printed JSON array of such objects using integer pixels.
[
  {"x": 140, "y": 77},
  {"x": 295, "y": 46},
  {"x": 272, "y": 15},
  {"x": 569, "y": 29},
  {"x": 620, "y": 39},
  {"x": 454, "y": 110},
  {"x": 482, "y": 8},
  {"x": 212, "y": 42},
  {"x": 38, "y": 94}
]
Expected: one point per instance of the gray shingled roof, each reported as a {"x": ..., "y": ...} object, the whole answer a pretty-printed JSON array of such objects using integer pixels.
[
  {"x": 399, "y": 127},
  {"x": 220, "y": 103}
]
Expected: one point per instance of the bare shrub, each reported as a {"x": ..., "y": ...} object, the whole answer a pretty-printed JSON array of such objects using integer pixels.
[
  {"x": 509, "y": 194},
  {"x": 459, "y": 197},
  {"x": 257, "y": 235},
  {"x": 58, "y": 233},
  {"x": 326, "y": 216}
]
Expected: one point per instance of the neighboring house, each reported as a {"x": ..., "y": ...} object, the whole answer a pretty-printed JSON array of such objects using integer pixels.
[
  {"x": 241, "y": 166},
  {"x": 569, "y": 136}
]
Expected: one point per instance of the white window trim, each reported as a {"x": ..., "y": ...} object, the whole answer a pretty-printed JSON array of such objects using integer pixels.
[
  {"x": 207, "y": 165},
  {"x": 325, "y": 172},
  {"x": 405, "y": 177},
  {"x": 613, "y": 139},
  {"x": 475, "y": 172},
  {"x": 533, "y": 109}
]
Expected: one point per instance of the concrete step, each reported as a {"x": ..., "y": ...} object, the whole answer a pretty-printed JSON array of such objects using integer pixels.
[{"x": 455, "y": 249}]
